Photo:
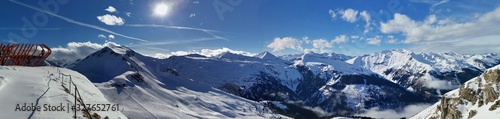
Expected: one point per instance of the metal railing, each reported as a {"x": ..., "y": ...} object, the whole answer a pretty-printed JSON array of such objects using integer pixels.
[
  {"x": 23, "y": 54},
  {"x": 78, "y": 97}
]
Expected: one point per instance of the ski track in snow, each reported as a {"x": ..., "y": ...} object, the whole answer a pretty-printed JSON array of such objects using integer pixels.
[
  {"x": 38, "y": 99},
  {"x": 130, "y": 95}
]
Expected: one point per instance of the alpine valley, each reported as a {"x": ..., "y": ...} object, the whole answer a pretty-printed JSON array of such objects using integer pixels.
[{"x": 308, "y": 85}]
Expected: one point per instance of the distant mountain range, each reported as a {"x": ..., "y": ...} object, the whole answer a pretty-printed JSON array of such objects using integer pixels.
[
  {"x": 336, "y": 83},
  {"x": 428, "y": 74}
]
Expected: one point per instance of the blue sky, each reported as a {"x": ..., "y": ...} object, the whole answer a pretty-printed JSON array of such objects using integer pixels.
[{"x": 352, "y": 27}]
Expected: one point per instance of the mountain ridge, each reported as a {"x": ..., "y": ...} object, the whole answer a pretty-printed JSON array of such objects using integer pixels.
[
  {"x": 260, "y": 77},
  {"x": 314, "y": 79}
]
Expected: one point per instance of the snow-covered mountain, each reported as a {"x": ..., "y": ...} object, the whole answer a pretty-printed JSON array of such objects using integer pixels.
[
  {"x": 344, "y": 89},
  {"x": 426, "y": 73},
  {"x": 171, "y": 88},
  {"x": 478, "y": 98},
  {"x": 41, "y": 87},
  {"x": 317, "y": 80}
]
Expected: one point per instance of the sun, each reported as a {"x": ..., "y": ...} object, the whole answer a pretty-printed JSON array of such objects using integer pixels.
[{"x": 161, "y": 9}]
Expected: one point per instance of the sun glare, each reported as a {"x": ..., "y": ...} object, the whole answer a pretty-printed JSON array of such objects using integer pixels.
[{"x": 161, "y": 9}]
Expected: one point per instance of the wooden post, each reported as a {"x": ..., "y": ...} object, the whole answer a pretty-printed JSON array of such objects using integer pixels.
[
  {"x": 75, "y": 102},
  {"x": 70, "y": 83}
]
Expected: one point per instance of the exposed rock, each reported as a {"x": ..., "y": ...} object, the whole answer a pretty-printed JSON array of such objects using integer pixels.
[
  {"x": 468, "y": 94},
  {"x": 492, "y": 77},
  {"x": 448, "y": 109},
  {"x": 490, "y": 94},
  {"x": 472, "y": 113},
  {"x": 477, "y": 92},
  {"x": 495, "y": 106}
]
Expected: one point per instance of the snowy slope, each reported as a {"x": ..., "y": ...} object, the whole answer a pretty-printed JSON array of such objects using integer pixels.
[
  {"x": 426, "y": 73},
  {"x": 41, "y": 86},
  {"x": 234, "y": 69},
  {"x": 343, "y": 89},
  {"x": 318, "y": 80},
  {"x": 154, "y": 88},
  {"x": 325, "y": 62},
  {"x": 478, "y": 98}
]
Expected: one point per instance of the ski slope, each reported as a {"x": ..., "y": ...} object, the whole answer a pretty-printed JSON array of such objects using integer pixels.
[
  {"x": 40, "y": 86},
  {"x": 178, "y": 99},
  {"x": 160, "y": 93}
]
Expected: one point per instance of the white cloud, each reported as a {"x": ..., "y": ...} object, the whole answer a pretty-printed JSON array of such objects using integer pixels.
[
  {"x": 365, "y": 16},
  {"x": 321, "y": 43},
  {"x": 332, "y": 14},
  {"x": 367, "y": 19},
  {"x": 215, "y": 52},
  {"x": 305, "y": 40},
  {"x": 479, "y": 35},
  {"x": 77, "y": 50},
  {"x": 192, "y": 15},
  {"x": 182, "y": 53},
  {"x": 408, "y": 111},
  {"x": 128, "y": 14},
  {"x": 79, "y": 23},
  {"x": 110, "y": 36},
  {"x": 205, "y": 52},
  {"x": 392, "y": 39},
  {"x": 283, "y": 43},
  {"x": 349, "y": 15},
  {"x": 433, "y": 29},
  {"x": 110, "y": 9},
  {"x": 354, "y": 37},
  {"x": 111, "y": 20},
  {"x": 161, "y": 56},
  {"x": 341, "y": 39},
  {"x": 101, "y": 36},
  {"x": 374, "y": 41},
  {"x": 440, "y": 84},
  {"x": 486, "y": 44}
]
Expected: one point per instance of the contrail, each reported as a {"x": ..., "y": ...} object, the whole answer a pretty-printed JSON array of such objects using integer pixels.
[
  {"x": 174, "y": 42},
  {"x": 79, "y": 23},
  {"x": 170, "y": 27},
  {"x": 208, "y": 31}
]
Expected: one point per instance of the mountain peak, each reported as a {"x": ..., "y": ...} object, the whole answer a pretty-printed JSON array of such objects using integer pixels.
[
  {"x": 230, "y": 55},
  {"x": 113, "y": 50},
  {"x": 266, "y": 55},
  {"x": 120, "y": 49},
  {"x": 403, "y": 51},
  {"x": 311, "y": 53}
]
